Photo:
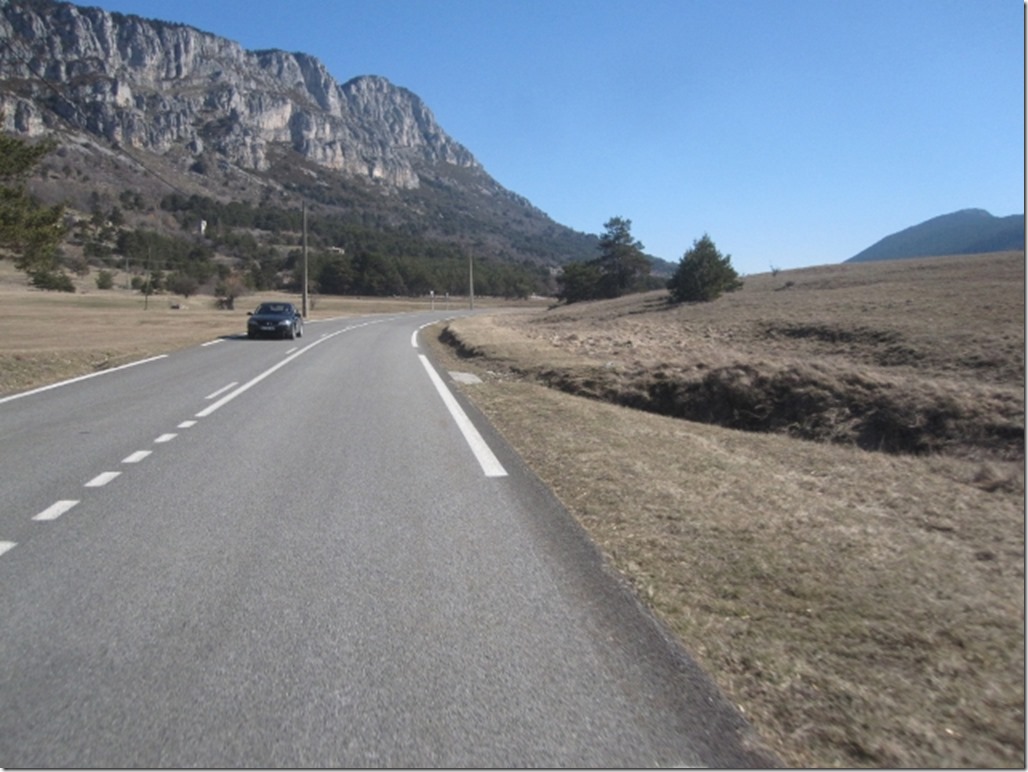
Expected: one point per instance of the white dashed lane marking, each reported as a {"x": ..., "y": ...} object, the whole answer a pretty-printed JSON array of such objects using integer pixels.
[
  {"x": 222, "y": 390},
  {"x": 102, "y": 479},
  {"x": 214, "y": 406},
  {"x": 54, "y": 511},
  {"x": 59, "y": 508}
]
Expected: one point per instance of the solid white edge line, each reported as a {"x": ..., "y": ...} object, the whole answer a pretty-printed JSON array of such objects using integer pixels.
[
  {"x": 55, "y": 510},
  {"x": 81, "y": 378},
  {"x": 6, "y": 545},
  {"x": 102, "y": 479},
  {"x": 486, "y": 458},
  {"x": 414, "y": 335}
]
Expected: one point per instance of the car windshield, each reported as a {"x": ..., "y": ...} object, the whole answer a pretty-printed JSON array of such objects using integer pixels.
[{"x": 273, "y": 308}]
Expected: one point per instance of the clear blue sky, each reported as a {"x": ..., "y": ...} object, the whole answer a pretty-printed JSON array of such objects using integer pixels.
[{"x": 793, "y": 132}]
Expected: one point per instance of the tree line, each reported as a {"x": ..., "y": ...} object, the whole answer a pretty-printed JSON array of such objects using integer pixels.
[
  {"x": 263, "y": 241},
  {"x": 343, "y": 257},
  {"x": 702, "y": 274},
  {"x": 347, "y": 257}
]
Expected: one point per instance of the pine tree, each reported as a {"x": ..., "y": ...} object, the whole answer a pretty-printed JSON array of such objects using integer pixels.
[
  {"x": 621, "y": 261},
  {"x": 620, "y": 268},
  {"x": 27, "y": 228},
  {"x": 703, "y": 274}
]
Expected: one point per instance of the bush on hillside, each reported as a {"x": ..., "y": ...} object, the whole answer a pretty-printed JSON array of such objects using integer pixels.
[{"x": 703, "y": 274}]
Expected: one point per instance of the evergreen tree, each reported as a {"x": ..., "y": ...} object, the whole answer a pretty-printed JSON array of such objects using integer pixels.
[
  {"x": 621, "y": 261},
  {"x": 621, "y": 267},
  {"x": 27, "y": 228},
  {"x": 579, "y": 281},
  {"x": 703, "y": 274}
]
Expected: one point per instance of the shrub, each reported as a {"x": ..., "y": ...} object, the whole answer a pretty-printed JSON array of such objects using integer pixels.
[
  {"x": 579, "y": 281},
  {"x": 52, "y": 280},
  {"x": 104, "y": 280},
  {"x": 703, "y": 274},
  {"x": 183, "y": 284}
]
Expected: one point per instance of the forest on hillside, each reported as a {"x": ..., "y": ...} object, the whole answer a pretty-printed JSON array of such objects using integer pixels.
[{"x": 261, "y": 247}]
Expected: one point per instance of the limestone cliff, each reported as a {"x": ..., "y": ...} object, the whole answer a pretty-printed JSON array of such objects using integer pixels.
[{"x": 166, "y": 87}]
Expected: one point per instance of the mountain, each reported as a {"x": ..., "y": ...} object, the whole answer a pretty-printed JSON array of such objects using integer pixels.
[
  {"x": 967, "y": 232},
  {"x": 157, "y": 110}
]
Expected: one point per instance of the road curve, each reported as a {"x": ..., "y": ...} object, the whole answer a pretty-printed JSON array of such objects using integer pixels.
[{"x": 291, "y": 553}]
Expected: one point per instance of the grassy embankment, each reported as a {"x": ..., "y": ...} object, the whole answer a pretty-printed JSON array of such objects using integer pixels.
[{"x": 848, "y": 562}]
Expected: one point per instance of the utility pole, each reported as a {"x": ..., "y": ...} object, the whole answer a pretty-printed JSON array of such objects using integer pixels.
[
  {"x": 148, "y": 287},
  {"x": 303, "y": 310},
  {"x": 471, "y": 280}
]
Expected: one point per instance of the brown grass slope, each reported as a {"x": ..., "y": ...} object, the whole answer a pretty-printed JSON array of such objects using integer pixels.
[
  {"x": 862, "y": 608},
  {"x": 909, "y": 357}
]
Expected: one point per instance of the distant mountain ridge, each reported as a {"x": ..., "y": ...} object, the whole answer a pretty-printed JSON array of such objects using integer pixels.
[{"x": 965, "y": 232}]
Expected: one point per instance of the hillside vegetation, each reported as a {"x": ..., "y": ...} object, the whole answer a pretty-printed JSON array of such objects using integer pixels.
[{"x": 836, "y": 529}]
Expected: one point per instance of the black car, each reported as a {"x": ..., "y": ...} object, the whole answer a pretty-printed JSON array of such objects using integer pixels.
[{"x": 280, "y": 320}]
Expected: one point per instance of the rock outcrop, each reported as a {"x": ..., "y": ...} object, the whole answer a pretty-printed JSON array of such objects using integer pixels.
[{"x": 167, "y": 87}]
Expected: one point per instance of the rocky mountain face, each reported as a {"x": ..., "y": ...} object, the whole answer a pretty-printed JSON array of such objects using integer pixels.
[
  {"x": 153, "y": 109},
  {"x": 157, "y": 86}
]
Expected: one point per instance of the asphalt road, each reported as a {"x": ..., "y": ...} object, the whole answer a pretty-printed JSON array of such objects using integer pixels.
[{"x": 294, "y": 553}]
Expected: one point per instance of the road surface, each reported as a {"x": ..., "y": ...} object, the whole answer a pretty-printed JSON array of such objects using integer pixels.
[{"x": 306, "y": 554}]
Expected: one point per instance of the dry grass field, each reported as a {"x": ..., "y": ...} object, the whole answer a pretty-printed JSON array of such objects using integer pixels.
[
  {"x": 817, "y": 482},
  {"x": 836, "y": 529},
  {"x": 49, "y": 336}
]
